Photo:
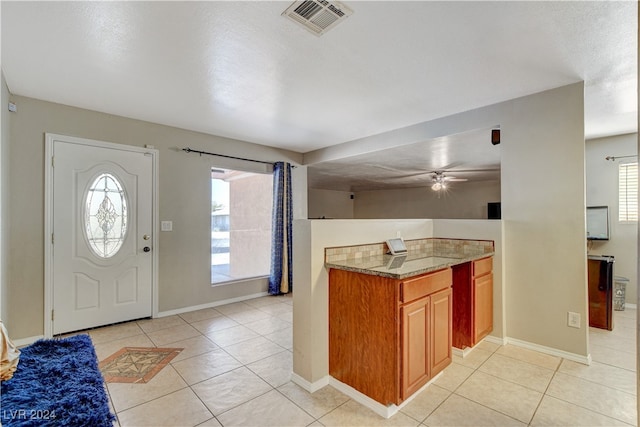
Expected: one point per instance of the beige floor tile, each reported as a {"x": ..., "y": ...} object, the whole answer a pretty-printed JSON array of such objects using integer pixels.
[
  {"x": 152, "y": 325},
  {"x": 354, "y": 414},
  {"x": 609, "y": 356},
  {"x": 555, "y": 412},
  {"x": 214, "y": 324},
  {"x": 277, "y": 309},
  {"x": 317, "y": 404},
  {"x": 614, "y": 339},
  {"x": 232, "y": 335},
  {"x": 263, "y": 301},
  {"x": 115, "y": 332},
  {"x": 283, "y": 337},
  {"x": 235, "y": 307},
  {"x": 268, "y": 325},
  {"x": 106, "y": 349},
  {"x": 229, "y": 390},
  {"x": 198, "y": 315},
  {"x": 597, "y": 372},
  {"x": 270, "y": 409},
  {"x": 193, "y": 347},
  {"x": 488, "y": 346},
  {"x": 519, "y": 372},
  {"x": 422, "y": 405},
  {"x": 128, "y": 395},
  {"x": 474, "y": 359},
  {"x": 287, "y": 317},
  {"x": 276, "y": 369},
  {"x": 457, "y": 411},
  {"x": 213, "y": 422},
  {"x": 625, "y": 322},
  {"x": 205, "y": 366},
  {"x": 248, "y": 316},
  {"x": 180, "y": 408},
  {"x": 530, "y": 356},
  {"x": 599, "y": 398},
  {"x": 453, "y": 376},
  {"x": 503, "y": 396},
  {"x": 253, "y": 350},
  {"x": 164, "y": 337}
]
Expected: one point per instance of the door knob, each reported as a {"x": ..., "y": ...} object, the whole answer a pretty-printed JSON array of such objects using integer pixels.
[
  {"x": 146, "y": 249},
  {"x": 146, "y": 237}
]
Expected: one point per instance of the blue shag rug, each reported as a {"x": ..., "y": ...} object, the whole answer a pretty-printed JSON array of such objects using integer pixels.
[{"x": 57, "y": 383}]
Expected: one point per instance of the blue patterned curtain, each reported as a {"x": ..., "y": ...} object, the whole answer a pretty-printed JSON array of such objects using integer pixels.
[{"x": 280, "y": 279}]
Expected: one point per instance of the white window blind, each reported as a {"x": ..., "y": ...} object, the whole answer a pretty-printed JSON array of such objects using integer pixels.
[{"x": 628, "y": 192}]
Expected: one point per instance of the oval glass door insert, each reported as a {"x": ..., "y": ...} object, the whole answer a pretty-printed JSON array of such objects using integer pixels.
[{"x": 105, "y": 215}]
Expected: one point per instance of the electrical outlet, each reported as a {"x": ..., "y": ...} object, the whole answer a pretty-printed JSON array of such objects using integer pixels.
[
  {"x": 573, "y": 319},
  {"x": 398, "y": 234},
  {"x": 166, "y": 225}
]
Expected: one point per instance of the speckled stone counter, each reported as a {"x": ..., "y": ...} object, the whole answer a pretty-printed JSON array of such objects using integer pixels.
[{"x": 424, "y": 256}]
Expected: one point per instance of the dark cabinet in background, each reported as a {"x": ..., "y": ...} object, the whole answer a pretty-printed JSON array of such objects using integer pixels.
[{"x": 600, "y": 278}]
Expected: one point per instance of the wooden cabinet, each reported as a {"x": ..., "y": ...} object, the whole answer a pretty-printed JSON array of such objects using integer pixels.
[
  {"x": 389, "y": 337},
  {"x": 472, "y": 302}
]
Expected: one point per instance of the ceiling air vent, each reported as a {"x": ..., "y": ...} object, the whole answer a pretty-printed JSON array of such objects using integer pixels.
[{"x": 317, "y": 16}]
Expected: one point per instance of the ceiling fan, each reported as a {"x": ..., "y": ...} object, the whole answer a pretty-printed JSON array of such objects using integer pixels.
[{"x": 440, "y": 180}]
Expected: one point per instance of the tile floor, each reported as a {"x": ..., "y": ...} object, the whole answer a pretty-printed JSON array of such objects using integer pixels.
[{"x": 236, "y": 364}]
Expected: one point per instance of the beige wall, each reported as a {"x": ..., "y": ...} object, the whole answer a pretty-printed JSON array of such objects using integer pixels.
[
  {"x": 184, "y": 198},
  {"x": 602, "y": 190},
  {"x": 330, "y": 204},
  {"x": 464, "y": 200},
  {"x": 4, "y": 205},
  {"x": 544, "y": 246}
]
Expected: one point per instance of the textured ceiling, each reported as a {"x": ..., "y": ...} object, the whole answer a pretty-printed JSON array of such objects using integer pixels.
[{"x": 241, "y": 70}]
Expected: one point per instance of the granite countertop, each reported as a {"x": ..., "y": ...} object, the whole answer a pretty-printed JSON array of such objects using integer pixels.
[{"x": 393, "y": 267}]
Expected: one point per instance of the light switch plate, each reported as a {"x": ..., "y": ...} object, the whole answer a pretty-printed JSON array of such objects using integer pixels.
[
  {"x": 166, "y": 226},
  {"x": 573, "y": 319}
]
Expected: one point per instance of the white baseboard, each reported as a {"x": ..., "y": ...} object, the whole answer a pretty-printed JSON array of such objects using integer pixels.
[
  {"x": 364, "y": 400},
  {"x": 495, "y": 340},
  {"x": 26, "y": 341},
  {"x": 210, "y": 304},
  {"x": 629, "y": 305},
  {"x": 309, "y": 386},
  {"x": 377, "y": 407},
  {"x": 551, "y": 351},
  {"x": 465, "y": 351}
]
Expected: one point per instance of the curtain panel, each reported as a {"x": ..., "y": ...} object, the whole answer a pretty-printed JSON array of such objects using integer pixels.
[{"x": 280, "y": 279}]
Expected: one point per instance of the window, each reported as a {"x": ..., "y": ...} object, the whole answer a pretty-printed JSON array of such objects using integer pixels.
[
  {"x": 241, "y": 204},
  {"x": 628, "y": 192},
  {"x": 105, "y": 215}
]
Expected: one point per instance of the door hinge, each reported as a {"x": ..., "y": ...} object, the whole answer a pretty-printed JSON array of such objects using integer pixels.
[
  {"x": 52, "y": 238},
  {"x": 53, "y": 163},
  {"x": 52, "y": 316}
]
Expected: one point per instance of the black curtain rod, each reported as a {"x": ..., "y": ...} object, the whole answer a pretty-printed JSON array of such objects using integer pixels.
[
  {"x": 613, "y": 158},
  {"x": 189, "y": 150}
]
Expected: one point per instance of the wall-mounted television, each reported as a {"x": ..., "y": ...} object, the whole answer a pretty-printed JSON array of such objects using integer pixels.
[{"x": 598, "y": 222}]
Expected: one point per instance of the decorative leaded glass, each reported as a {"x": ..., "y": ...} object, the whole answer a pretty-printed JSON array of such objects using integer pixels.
[{"x": 105, "y": 215}]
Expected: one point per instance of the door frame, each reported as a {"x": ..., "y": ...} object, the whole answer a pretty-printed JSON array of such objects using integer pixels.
[{"x": 50, "y": 138}]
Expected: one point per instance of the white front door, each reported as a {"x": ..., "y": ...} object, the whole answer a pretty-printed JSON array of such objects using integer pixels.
[{"x": 102, "y": 233}]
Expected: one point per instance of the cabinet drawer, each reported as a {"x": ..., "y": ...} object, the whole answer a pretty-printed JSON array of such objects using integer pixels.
[
  {"x": 482, "y": 266},
  {"x": 418, "y": 287}
]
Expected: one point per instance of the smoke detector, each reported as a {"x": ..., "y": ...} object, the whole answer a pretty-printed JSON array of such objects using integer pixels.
[{"x": 317, "y": 16}]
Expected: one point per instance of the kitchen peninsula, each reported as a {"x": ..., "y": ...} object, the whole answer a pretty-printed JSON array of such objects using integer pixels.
[{"x": 393, "y": 320}]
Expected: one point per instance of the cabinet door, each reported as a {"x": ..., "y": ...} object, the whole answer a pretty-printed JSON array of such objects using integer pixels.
[
  {"x": 415, "y": 346},
  {"x": 441, "y": 339},
  {"x": 483, "y": 306}
]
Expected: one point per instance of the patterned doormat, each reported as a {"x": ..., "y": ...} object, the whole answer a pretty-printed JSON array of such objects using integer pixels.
[{"x": 136, "y": 364}]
